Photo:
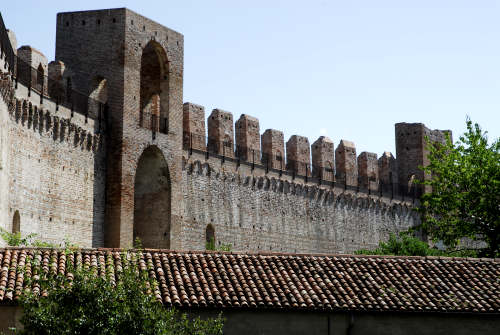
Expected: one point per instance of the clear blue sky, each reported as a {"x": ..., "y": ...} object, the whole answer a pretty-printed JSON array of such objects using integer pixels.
[{"x": 347, "y": 69}]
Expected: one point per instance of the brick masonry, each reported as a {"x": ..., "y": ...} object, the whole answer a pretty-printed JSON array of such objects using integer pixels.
[{"x": 144, "y": 170}]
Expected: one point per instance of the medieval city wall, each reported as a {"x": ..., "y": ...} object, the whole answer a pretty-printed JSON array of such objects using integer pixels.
[
  {"x": 55, "y": 171},
  {"x": 243, "y": 188},
  {"x": 100, "y": 151}
]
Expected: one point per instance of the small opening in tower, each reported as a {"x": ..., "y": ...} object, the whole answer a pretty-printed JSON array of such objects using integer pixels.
[
  {"x": 132, "y": 22},
  {"x": 98, "y": 21},
  {"x": 114, "y": 20},
  {"x": 83, "y": 22},
  {"x": 67, "y": 24}
]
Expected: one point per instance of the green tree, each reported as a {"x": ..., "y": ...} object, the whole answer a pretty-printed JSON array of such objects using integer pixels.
[
  {"x": 464, "y": 201},
  {"x": 16, "y": 240},
  {"x": 211, "y": 246},
  {"x": 89, "y": 303},
  {"x": 406, "y": 244}
]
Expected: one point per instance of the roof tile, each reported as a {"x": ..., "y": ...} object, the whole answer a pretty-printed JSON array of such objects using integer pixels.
[{"x": 235, "y": 280}]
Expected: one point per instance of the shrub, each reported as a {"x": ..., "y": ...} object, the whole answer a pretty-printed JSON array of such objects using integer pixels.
[
  {"x": 90, "y": 303},
  {"x": 405, "y": 244}
]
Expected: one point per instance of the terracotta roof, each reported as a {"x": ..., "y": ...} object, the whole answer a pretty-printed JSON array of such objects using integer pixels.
[{"x": 289, "y": 281}]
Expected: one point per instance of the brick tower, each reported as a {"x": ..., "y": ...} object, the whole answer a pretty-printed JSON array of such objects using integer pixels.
[
  {"x": 411, "y": 153},
  {"x": 140, "y": 64}
]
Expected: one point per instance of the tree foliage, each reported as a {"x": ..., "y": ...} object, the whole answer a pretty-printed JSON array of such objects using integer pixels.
[
  {"x": 91, "y": 303},
  {"x": 211, "y": 246},
  {"x": 464, "y": 203},
  {"x": 16, "y": 240},
  {"x": 406, "y": 244}
]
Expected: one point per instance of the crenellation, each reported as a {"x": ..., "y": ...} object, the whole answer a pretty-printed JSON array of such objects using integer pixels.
[
  {"x": 368, "y": 174},
  {"x": 387, "y": 170},
  {"x": 247, "y": 137},
  {"x": 221, "y": 133},
  {"x": 32, "y": 67},
  {"x": 194, "y": 126},
  {"x": 58, "y": 77},
  {"x": 273, "y": 149},
  {"x": 298, "y": 155},
  {"x": 323, "y": 159},
  {"x": 53, "y": 126},
  {"x": 346, "y": 170}
]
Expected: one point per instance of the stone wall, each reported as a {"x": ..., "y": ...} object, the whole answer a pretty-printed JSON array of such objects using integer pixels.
[
  {"x": 269, "y": 214},
  {"x": 4, "y": 164},
  {"x": 55, "y": 172}
]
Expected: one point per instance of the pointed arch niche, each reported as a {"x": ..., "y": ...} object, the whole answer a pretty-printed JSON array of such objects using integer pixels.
[
  {"x": 152, "y": 194},
  {"x": 154, "y": 96}
]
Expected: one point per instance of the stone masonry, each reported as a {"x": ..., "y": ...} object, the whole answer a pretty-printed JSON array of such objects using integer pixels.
[{"x": 139, "y": 162}]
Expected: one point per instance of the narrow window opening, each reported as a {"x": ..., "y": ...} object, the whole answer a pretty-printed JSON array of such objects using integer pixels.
[{"x": 16, "y": 223}]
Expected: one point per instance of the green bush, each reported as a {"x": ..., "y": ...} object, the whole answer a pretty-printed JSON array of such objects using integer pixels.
[
  {"x": 405, "y": 244},
  {"x": 16, "y": 240},
  {"x": 210, "y": 245},
  {"x": 93, "y": 304}
]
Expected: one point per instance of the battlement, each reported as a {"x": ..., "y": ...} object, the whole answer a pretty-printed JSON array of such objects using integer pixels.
[
  {"x": 27, "y": 108},
  {"x": 339, "y": 166},
  {"x": 58, "y": 127}
]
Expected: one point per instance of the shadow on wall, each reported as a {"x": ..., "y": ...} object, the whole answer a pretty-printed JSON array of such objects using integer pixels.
[{"x": 152, "y": 194}]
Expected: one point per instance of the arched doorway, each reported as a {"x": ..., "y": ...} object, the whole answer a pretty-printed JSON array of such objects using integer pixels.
[
  {"x": 152, "y": 200},
  {"x": 154, "y": 87},
  {"x": 16, "y": 223}
]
